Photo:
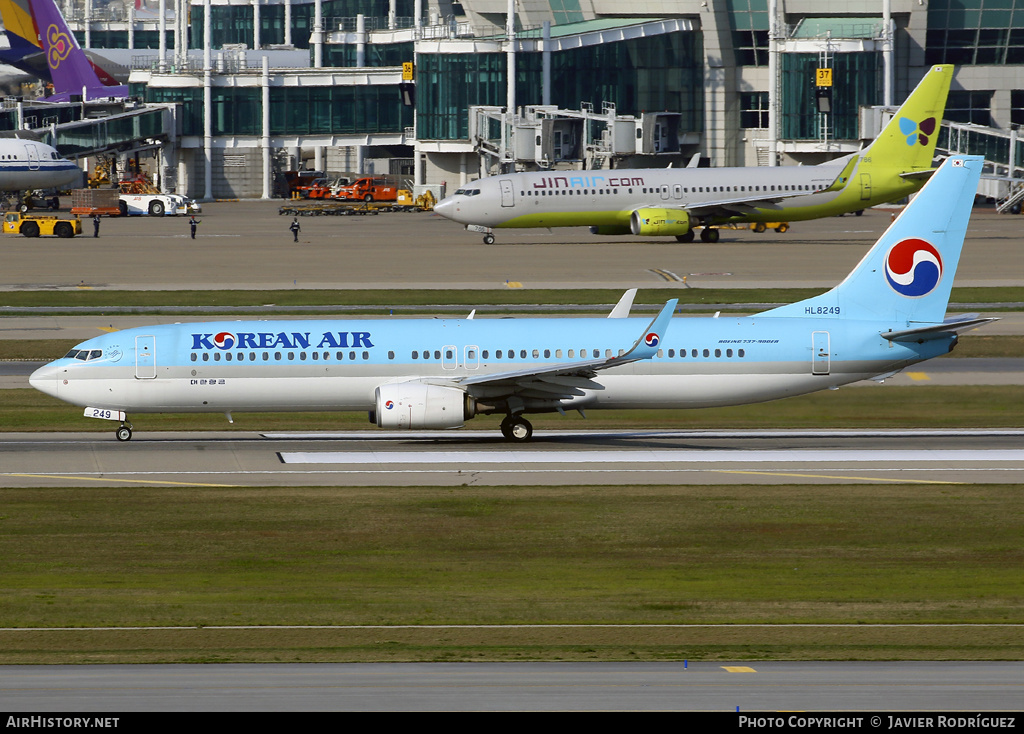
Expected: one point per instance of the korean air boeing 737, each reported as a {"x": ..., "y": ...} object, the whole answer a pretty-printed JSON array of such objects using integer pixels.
[
  {"x": 888, "y": 314},
  {"x": 671, "y": 202}
]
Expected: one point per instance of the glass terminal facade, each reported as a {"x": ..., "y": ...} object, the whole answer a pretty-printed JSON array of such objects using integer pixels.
[{"x": 655, "y": 73}]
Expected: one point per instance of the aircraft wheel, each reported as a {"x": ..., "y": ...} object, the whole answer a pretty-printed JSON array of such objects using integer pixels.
[
  {"x": 859, "y": 213},
  {"x": 688, "y": 237},
  {"x": 124, "y": 433},
  {"x": 488, "y": 239},
  {"x": 709, "y": 234},
  {"x": 516, "y": 428}
]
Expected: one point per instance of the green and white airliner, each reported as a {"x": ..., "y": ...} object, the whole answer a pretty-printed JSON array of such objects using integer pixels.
[{"x": 673, "y": 202}]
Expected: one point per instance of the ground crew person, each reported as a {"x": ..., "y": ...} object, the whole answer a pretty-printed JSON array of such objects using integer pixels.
[
  {"x": 95, "y": 225},
  {"x": 193, "y": 223},
  {"x": 295, "y": 227}
]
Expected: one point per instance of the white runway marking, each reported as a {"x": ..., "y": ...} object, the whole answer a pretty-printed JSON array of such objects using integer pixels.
[{"x": 645, "y": 456}]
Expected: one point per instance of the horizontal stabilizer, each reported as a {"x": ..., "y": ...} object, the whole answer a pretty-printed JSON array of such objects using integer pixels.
[
  {"x": 919, "y": 175},
  {"x": 936, "y": 331}
]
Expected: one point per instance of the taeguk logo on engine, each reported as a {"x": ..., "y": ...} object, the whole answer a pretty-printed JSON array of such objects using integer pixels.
[{"x": 913, "y": 267}]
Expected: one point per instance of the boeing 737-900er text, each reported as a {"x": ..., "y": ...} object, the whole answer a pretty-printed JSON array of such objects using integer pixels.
[
  {"x": 437, "y": 373},
  {"x": 671, "y": 202}
]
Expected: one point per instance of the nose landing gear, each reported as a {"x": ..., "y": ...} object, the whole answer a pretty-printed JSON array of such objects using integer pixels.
[{"x": 124, "y": 432}]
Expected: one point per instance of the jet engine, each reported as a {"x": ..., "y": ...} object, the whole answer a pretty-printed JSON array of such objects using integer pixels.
[
  {"x": 659, "y": 222},
  {"x": 609, "y": 229},
  {"x": 419, "y": 405}
]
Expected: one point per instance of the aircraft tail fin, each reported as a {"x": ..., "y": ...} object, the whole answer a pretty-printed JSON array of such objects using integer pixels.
[
  {"x": 906, "y": 278},
  {"x": 907, "y": 142},
  {"x": 70, "y": 69}
]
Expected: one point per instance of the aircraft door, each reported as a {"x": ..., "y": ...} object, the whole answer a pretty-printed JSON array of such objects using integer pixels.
[
  {"x": 821, "y": 356},
  {"x": 677, "y": 191},
  {"x": 471, "y": 357},
  {"x": 865, "y": 186},
  {"x": 507, "y": 192},
  {"x": 145, "y": 357},
  {"x": 449, "y": 356},
  {"x": 33, "y": 157}
]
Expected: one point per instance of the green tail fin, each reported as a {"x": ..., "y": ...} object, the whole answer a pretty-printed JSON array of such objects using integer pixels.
[{"x": 907, "y": 143}]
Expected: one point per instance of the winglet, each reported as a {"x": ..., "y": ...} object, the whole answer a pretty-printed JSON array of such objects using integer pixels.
[{"x": 621, "y": 310}]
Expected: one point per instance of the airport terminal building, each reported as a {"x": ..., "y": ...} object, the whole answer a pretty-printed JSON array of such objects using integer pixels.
[{"x": 423, "y": 88}]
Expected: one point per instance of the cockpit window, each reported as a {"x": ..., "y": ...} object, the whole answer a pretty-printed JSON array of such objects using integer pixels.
[
  {"x": 467, "y": 192},
  {"x": 84, "y": 354}
]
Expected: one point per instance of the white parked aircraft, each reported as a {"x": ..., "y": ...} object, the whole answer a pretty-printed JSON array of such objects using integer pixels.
[
  {"x": 672, "y": 202},
  {"x": 889, "y": 313},
  {"x": 26, "y": 165}
]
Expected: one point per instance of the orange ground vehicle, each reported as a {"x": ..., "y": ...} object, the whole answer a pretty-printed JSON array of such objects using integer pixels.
[{"x": 372, "y": 188}]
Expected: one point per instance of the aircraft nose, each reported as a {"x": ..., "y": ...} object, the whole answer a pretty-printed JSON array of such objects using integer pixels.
[
  {"x": 445, "y": 207},
  {"x": 46, "y": 379}
]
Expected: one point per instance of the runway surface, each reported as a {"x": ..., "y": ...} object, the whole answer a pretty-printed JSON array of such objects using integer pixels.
[
  {"x": 456, "y": 458},
  {"x": 737, "y": 687}
]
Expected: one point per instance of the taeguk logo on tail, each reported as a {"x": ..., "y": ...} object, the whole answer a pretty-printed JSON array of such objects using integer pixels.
[
  {"x": 913, "y": 267},
  {"x": 651, "y": 339},
  {"x": 224, "y": 340}
]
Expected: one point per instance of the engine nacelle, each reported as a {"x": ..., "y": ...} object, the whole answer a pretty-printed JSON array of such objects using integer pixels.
[
  {"x": 609, "y": 229},
  {"x": 659, "y": 222},
  {"x": 419, "y": 405}
]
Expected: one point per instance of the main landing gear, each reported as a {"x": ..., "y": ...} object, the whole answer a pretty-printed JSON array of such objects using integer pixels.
[
  {"x": 516, "y": 428},
  {"x": 124, "y": 432}
]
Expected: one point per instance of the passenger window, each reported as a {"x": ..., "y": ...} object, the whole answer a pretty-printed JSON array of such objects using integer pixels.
[
  {"x": 707, "y": 353},
  {"x": 216, "y": 356},
  {"x": 536, "y": 354},
  {"x": 415, "y": 354},
  {"x": 227, "y": 356},
  {"x": 718, "y": 352},
  {"x": 547, "y": 354},
  {"x": 206, "y": 356},
  {"x": 391, "y": 355},
  {"x": 352, "y": 356},
  {"x": 366, "y": 355},
  {"x": 195, "y": 357},
  {"x": 741, "y": 353},
  {"x": 522, "y": 354}
]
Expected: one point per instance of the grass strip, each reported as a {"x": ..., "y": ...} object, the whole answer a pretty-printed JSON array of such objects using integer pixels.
[
  {"x": 722, "y": 555},
  {"x": 386, "y": 298}
]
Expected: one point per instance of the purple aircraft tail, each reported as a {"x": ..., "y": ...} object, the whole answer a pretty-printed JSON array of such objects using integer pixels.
[{"x": 71, "y": 71}]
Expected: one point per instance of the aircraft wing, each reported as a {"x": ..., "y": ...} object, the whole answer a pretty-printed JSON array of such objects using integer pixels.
[
  {"x": 742, "y": 205},
  {"x": 569, "y": 378}
]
